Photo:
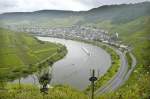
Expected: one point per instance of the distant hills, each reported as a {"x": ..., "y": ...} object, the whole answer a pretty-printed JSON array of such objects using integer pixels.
[{"x": 116, "y": 13}]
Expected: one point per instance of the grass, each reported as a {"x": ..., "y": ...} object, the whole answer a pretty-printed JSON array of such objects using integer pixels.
[
  {"x": 22, "y": 54},
  {"x": 33, "y": 92}
]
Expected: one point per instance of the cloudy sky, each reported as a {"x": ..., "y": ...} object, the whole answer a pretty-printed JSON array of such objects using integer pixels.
[{"x": 75, "y": 5}]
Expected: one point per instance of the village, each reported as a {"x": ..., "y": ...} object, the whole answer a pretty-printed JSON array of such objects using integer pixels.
[{"x": 72, "y": 32}]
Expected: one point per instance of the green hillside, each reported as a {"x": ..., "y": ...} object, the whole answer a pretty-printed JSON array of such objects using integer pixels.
[
  {"x": 116, "y": 13},
  {"x": 22, "y": 54},
  {"x": 136, "y": 34}
]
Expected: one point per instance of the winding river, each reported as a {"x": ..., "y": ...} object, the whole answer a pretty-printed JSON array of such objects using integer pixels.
[{"x": 75, "y": 68}]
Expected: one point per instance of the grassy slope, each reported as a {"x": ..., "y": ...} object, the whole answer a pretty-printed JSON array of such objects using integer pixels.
[
  {"x": 33, "y": 92},
  {"x": 135, "y": 33},
  {"x": 21, "y": 54}
]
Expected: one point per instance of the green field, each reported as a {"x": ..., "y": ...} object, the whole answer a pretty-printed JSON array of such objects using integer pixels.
[{"x": 22, "y": 54}]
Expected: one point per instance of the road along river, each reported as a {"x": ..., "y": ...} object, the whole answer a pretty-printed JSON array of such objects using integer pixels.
[{"x": 74, "y": 68}]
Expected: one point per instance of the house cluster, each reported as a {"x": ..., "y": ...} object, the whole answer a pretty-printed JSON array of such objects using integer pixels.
[{"x": 81, "y": 32}]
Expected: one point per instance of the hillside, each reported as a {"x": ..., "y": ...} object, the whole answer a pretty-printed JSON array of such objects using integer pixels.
[
  {"x": 136, "y": 34},
  {"x": 22, "y": 54},
  {"x": 116, "y": 13}
]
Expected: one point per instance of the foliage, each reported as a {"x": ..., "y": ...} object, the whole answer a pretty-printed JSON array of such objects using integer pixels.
[{"x": 129, "y": 60}]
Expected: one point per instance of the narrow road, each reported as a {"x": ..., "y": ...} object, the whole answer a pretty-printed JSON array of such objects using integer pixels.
[
  {"x": 132, "y": 67},
  {"x": 121, "y": 76}
]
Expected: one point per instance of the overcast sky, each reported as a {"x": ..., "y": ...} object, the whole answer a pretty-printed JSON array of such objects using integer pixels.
[{"x": 75, "y": 5}]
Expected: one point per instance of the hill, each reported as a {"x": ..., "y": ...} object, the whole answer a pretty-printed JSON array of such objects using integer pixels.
[
  {"x": 116, "y": 13},
  {"x": 22, "y": 54}
]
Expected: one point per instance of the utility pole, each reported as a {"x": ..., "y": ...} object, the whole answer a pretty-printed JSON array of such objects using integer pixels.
[{"x": 92, "y": 79}]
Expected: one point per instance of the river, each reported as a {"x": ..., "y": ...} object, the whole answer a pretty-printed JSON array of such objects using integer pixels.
[{"x": 75, "y": 68}]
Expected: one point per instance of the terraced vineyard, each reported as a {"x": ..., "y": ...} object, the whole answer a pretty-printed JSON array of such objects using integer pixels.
[{"x": 22, "y": 54}]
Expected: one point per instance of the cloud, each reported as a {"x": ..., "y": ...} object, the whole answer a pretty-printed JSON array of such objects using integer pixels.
[
  {"x": 75, "y": 5},
  {"x": 7, "y": 4},
  {"x": 32, "y": 5}
]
